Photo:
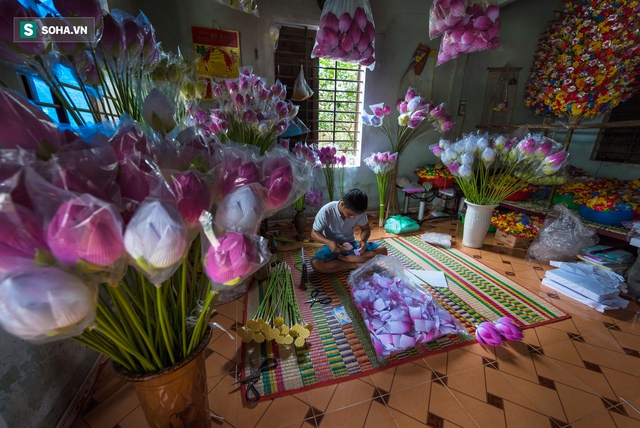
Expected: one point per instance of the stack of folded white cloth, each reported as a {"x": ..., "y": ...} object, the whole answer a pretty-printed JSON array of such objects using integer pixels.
[{"x": 595, "y": 287}]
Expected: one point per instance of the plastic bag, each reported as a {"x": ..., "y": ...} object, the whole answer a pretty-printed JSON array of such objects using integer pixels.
[
  {"x": 230, "y": 257},
  {"x": 397, "y": 313},
  {"x": 633, "y": 279},
  {"x": 301, "y": 89},
  {"x": 440, "y": 239},
  {"x": 274, "y": 36},
  {"x": 478, "y": 31},
  {"x": 242, "y": 209},
  {"x": 346, "y": 33},
  {"x": 401, "y": 224},
  {"x": 444, "y": 15},
  {"x": 313, "y": 196},
  {"x": 248, "y": 6},
  {"x": 562, "y": 237},
  {"x": 46, "y": 304}
]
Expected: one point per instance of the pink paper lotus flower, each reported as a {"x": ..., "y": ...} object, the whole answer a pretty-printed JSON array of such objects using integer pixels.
[
  {"x": 193, "y": 194},
  {"x": 488, "y": 335},
  {"x": 158, "y": 112},
  {"x": 454, "y": 167},
  {"x": 554, "y": 162},
  {"x": 113, "y": 41},
  {"x": 543, "y": 150},
  {"x": 22, "y": 235},
  {"x": 278, "y": 185},
  {"x": 509, "y": 329},
  {"x": 86, "y": 229},
  {"x": 233, "y": 258}
]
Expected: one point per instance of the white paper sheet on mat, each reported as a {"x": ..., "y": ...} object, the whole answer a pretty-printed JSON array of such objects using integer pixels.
[{"x": 435, "y": 278}]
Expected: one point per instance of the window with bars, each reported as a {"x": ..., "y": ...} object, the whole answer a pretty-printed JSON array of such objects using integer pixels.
[
  {"x": 332, "y": 114},
  {"x": 620, "y": 144},
  {"x": 42, "y": 96}
]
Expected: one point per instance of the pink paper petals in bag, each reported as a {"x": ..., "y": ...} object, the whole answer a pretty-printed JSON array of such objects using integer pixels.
[{"x": 233, "y": 258}]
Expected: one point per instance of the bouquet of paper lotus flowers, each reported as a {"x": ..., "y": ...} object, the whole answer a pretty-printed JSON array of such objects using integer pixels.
[
  {"x": 484, "y": 165},
  {"x": 417, "y": 117},
  {"x": 247, "y": 111},
  {"x": 382, "y": 164},
  {"x": 332, "y": 164},
  {"x": 309, "y": 154}
]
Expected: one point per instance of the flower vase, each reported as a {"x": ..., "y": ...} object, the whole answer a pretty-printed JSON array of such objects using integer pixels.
[
  {"x": 300, "y": 223},
  {"x": 476, "y": 224},
  {"x": 176, "y": 396}
]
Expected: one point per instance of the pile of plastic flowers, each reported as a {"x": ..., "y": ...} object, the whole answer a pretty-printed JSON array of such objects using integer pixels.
[
  {"x": 519, "y": 225},
  {"x": 432, "y": 172}
]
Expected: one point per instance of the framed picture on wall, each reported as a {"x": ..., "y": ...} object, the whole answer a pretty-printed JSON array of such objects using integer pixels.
[{"x": 217, "y": 54}]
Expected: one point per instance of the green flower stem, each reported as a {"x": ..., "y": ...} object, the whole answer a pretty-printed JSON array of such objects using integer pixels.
[
  {"x": 183, "y": 306},
  {"x": 163, "y": 327},
  {"x": 198, "y": 330},
  {"x": 84, "y": 341}
]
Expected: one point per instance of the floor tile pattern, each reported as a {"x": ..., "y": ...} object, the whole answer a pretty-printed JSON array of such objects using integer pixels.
[{"x": 581, "y": 373}]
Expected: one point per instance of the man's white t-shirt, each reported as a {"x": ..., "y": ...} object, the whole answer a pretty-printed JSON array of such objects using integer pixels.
[{"x": 329, "y": 222}]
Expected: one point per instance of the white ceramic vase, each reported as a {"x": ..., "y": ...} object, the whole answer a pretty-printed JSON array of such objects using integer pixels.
[{"x": 476, "y": 224}]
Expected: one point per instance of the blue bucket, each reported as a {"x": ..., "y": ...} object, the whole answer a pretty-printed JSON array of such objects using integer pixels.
[{"x": 611, "y": 218}]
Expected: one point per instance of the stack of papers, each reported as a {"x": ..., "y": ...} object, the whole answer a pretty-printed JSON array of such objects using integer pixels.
[
  {"x": 434, "y": 278},
  {"x": 595, "y": 287}
]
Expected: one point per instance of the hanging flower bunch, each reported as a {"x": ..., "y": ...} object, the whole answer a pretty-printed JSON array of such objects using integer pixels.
[
  {"x": 417, "y": 117},
  {"x": 483, "y": 165},
  {"x": 278, "y": 317},
  {"x": 308, "y": 154},
  {"x": 585, "y": 64},
  {"x": 382, "y": 164},
  {"x": 246, "y": 111},
  {"x": 331, "y": 164},
  {"x": 433, "y": 171},
  {"x": 519, "y": 225}
]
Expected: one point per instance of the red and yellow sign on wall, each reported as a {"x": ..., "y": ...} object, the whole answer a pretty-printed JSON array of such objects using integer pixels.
[{"x": 218, "y": 52}]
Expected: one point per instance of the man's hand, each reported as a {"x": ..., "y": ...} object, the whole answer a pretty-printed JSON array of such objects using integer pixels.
[
  {"x": 334, "y": 247},
  {"x": 362, "y": 247}
]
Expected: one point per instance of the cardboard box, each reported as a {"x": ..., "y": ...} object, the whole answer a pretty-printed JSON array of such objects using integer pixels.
[{"x": 509, "y": 240}]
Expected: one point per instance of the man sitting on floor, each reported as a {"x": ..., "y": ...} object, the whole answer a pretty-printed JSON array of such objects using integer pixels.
[{"x": 334, "y": 225}]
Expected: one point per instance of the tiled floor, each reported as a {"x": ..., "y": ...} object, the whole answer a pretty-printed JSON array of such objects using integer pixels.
[{"x": 583, "y": 372}]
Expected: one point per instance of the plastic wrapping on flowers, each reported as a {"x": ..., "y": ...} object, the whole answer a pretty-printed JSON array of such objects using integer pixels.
[{"x": 398, "y": 314}]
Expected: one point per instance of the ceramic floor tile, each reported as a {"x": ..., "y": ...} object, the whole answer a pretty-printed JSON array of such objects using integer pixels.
[
  {"x": 217, "y": 365},
  {"x": 438, "y": 362},
  {"x": 578, "y": 404},
  {"x": 490, "y": 256},
  {"x": 448, "y": 424},
  {"x": 603, "y": 338},
  {"x": 404, "y": 421},
  {"x": 135, "y": 419},
  {"x": 531, "y": 337},
  {"x": 408, "y": 375},
  {"x": 520, "y": 417},
  {"x": 484, "y": 414},
  {"x": 460, "y": 361},
  {"x": 350, "y": 393},
  {"x": 223, "y": 399},
  {"x": 599, "y": 420},
  {"x": 631, "y": 327},
  {"x": 623, "y": 421},
  {"x": 320, "y": 397},
  {"x": 80, "y": 423},
  {"x": 224, "y": 322},
  {"x": 622, "y": 384},
  {"x": 108, "y": 384},
  {"x": 113, "y": 408},
  {"x": 382, "y": 379},
  {"x": 231, "y": 310},
  {"x": 283, "y": 411},
  {"x": 632, "y": 407},
  {"x": 248, "y": 414},
  {"x": 564, "y": 325},
  {"x": 379, "y": 417},
  {"x": 524, "y": 393},
  {"x": 353, "y": 416},
  {"x": 586, "y": 380},
  {"x": 626, "y": 340},
  {"x": 520, "y": 366},
  {"x": 488, "y": 352},
  {"x": 445, "y": 405},
  {"x": 563, "y": 351},
  {"x": 470, "y": 382},
  {"x": 413, "y": 402},
  {"x": 608, "y": 358},
  {"x": 228, "y": 348}
]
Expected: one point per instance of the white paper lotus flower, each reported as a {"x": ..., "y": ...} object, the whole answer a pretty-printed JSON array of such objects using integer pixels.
[
  {"x": 36, "y": 304},
  {"x": 242, "y": 209},
  {"x": 158, "y": 112},
  {"x": 156, "y": 238}
]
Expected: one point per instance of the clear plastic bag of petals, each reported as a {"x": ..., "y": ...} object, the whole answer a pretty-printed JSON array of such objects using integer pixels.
[
  {"x": 444, "y": 15},
  {"x": 230, "y": 256},
  {"x": 248, "y": 6},
  {"x": 44, "y": 304},
  {"x": 398, "y": 314},
  {"x": 301, "y": 89},
  {"x": 478, "y": 31},
  {"x": 81, "y": 231},
  {"x": 346, "y": 33}
]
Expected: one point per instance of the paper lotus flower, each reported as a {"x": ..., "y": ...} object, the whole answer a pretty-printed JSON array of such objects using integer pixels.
[
  {"x": 193, "y": 194},
  {"x": 158, "y": 112},
  {"x": 278, "y": 185},
  {"x": 488, "y": 334},
  {"x": 242, "y": 209},
  {"x": 38, "y": 303},
  {"x": 233, "y": 258},
  {"x": 237, "y": 174},
  {"x": 21, "y": 235},
  {"x": 86, "y": 229},
  {"x": 156, "y": 238},
  {"x": 508, "y": 329}
]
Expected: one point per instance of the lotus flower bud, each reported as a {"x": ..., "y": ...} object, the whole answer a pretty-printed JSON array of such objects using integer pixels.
[
  {"x": 113, "y": 41},
  {"x": 86, "y": 229},
  {"x": 233, "y": 258},
  {"x": 242, "y": 209},
  {"x": 35, "y": 303},
  {"x": 488, "y": 334},
  {"x": 355, "y": 33},
  {"x": 482, "y": 23},
  {"x": 386, "y": 110},
  {"x": 447, "y": 125},
  {"x": 360, "y": 17},
  {"x": 482, "y": 144},
  {"x": 437, "y": 150},
  {"x": 508, "y": 329},
  {"x": 449, "y": 156},
  {"x": 492, "y": 12},
  {"x": 393, "y": 158},
  {"x": 279, "y": 185},
  {"x": 500, "y": 141},
  {"x": 21, "y": 235},
  {"x": 527, "y": 147},
  {"x": 465, "y": 172},
  {"x": 193, "y": 195},
  {"x": 488, "y": 156},
  {"x": 347, "y": 44},
  {"x": 454, "y": 167},
  {"x": 553, "y": 163},
  {"x": 363, "y": 44},
  {"x": 467, "y": 158},
  {"x": 344, "y": 23},
  {"x": 156, "y": 238},
  {"x": 158, "y": 112},
  {"x": 403, "y": 119},
  {"x": 331, "y": 21},
  {"x": 543, "y": 150}
]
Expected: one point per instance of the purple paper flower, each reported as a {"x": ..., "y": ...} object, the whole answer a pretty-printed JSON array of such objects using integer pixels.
[
  {"x": 488, "y": 334},
  {"x": 386, "y": 110},
  {"x": 193, "y": 194},
  {"x": 113, "y": 40},
  {"x": 279, "y": 185},
  {"x": 233, "y": 258},
  {"x": 411, "y": 94},
  {"x": 86, "y": 229},
  {"x": 21, "y": 233},
  {"x": 527, "y": 147},
  {"x": 454, "y": 167},
  {"x": 509, "y": 329},
  {"x": 553, "y": 163},
  {"x": 447, "y": 125},
  {"x": 437, "y": 150},
  {"x": 544, "y": 149}
]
